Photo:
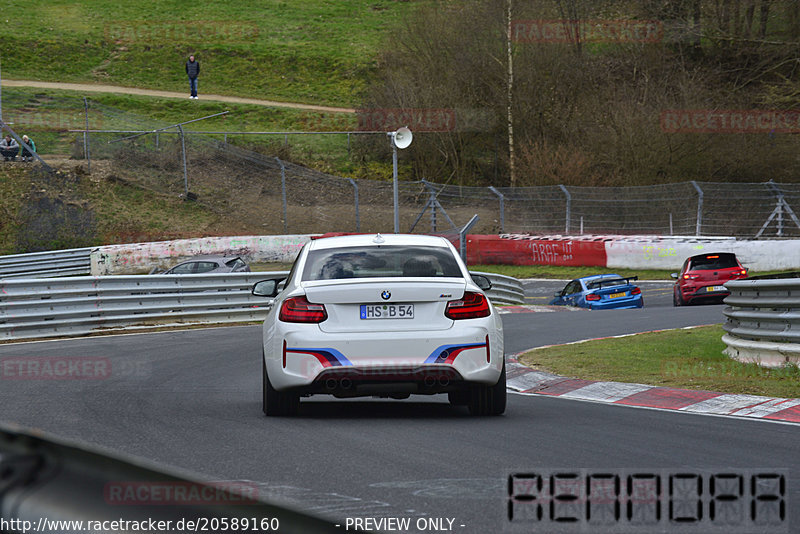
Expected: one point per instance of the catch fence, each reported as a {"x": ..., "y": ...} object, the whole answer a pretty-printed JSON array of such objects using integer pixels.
[{"x": 231, "y": 174}]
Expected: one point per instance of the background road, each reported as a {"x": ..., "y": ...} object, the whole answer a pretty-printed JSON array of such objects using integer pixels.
[{"x": 191, "y": 399}]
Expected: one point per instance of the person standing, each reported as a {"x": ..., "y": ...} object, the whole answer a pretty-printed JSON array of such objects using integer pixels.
[
  {"x": 193, "y": 71},
  {"x": 26, "y": 154},
  {"x": 9, "y": 148}
]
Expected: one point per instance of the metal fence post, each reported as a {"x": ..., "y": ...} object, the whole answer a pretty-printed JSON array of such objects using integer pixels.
[
  {"x": 502, "y": 208},
  {"x": 699, "y": 208},
  {"x": 185, "y": 172},
  {"x": 462, "y": 236},
  {"x": 283, "y": 193},
  {"x": 569, "y": 209},
  {"x": 86, "y": 137},
  {"x": 355, "y": 189}
]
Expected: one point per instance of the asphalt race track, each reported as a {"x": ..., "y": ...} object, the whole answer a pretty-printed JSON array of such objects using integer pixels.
[{"x": 191, "y": 399}]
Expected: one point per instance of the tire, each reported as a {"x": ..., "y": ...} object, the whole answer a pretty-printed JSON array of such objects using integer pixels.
[
  {"x": 459, "y": 398},
  {"x": 489, "y": 400},
  {"x": 677, "y": 300},
  {"x": 277, "y": 403}
]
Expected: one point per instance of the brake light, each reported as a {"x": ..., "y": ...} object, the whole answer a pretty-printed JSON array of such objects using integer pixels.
[
  {"x": 592, "y": 296},
  {"x": 300, "y": 310},
  {"x": 743, "y": 272},
  {"x": 636, "y": 291},
  {"x": 690, "y": 276},
  {"x": 712, "y": 257},
  {"x": 471, "y": 306}
]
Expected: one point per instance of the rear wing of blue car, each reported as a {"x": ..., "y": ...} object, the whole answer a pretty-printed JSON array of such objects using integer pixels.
[{"x": 613, "y": 282}]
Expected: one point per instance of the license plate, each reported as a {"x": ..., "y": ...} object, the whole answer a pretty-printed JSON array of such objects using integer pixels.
[
  {"x": 712, "y": 289},
  {"x": 616, "y": 295},
  {"x": 387, "y": 311}
]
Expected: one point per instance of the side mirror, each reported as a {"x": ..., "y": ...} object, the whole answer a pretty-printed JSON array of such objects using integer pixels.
[
  {"x": 557, "y": 294},
  {"x": 481, "y": 281},
  {"x": 266, "y": 288},
  {"x": 674, "y": 275}
]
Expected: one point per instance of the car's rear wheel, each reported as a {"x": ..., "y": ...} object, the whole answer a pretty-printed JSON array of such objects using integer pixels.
[
  {"x": 277, "y": 403},
  {"x": 489, "y": 400},
  {"x": 459, "y": 398},
  {"x": 677, "y": 300}
]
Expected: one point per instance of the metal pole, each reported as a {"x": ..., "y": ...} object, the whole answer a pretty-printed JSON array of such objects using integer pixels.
[
  {"x": 283, "y": 193},
  {"x": 462, "y": 236},
  {"x": 581, "y": 225},
  {"x": 86, "y": 137},
  {"x": 185, "y": 172},
  {"x": 699, "y": 208},
  {"x": 670, "y": 225},
  {"x": 778, "y": 206},
  {"x": 395, "y": 192},
  {"x": 355, "y": 188},
  {"x": 502, "y": 208},
  {"x": 569, "y": 209}
]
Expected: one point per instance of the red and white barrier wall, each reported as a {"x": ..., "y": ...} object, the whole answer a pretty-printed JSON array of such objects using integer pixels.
[
  {"x": 614, "y": 251},
  {"x": 630, "y": 252}
]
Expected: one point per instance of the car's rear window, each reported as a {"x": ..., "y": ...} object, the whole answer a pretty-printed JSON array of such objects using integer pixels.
[
  {"x": 383, "y": 261},
  {"x": 712, "y": 262}
]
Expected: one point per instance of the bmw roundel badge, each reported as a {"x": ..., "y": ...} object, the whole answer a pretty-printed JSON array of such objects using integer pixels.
[{"x": 386, "y": 295}]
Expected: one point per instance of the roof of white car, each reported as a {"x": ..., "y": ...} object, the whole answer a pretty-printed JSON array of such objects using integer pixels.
[{"x": 363, "y": 240}]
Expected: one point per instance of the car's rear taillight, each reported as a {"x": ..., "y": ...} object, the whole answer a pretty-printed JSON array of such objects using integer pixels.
[
  {"x": 300, "y": 310},
  {"x": 690, "y": 276},
  {"x": 471, "y": 306},
  {"x": 743, "y": 272},
  {"x": 592, "y": 296},
  {"x": 636, "y": 291}
]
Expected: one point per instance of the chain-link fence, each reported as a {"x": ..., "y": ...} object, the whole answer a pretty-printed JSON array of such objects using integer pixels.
[{"x": 282, "y": 197}]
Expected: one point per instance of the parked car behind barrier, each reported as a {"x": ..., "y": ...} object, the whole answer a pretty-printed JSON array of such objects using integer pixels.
[{"x": 209, "y": 264}]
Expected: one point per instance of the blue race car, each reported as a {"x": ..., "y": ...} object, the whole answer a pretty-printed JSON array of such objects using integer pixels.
[{"x": 600, "y": 292}]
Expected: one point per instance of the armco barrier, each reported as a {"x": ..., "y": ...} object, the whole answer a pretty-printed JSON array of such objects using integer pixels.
[
  {"x": 505, "y": 289},
  {"x": 53, "y": 307},
  {"x": 67, "y": 262},
  {"x": 763, "y": 321},
  {"x": 73, "y": 306}
]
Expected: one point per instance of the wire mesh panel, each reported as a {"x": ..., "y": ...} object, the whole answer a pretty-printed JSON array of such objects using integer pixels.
[{"x": 244, "y": 186}]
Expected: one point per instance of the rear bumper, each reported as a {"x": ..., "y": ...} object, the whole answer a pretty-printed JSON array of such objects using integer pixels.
[
  {"x": 412, "y": 362},
  {"x": 701, "y": 294},
  {"x": 617, "y": 304}
]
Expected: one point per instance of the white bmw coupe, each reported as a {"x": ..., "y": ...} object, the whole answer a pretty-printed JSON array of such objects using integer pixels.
[{"x": 387, "y": 316}]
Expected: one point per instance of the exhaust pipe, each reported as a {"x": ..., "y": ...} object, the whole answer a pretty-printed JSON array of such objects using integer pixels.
[
  {"x": 444, "y": 381},
  {"x": 346, "y": 383},
  {"x": 429, "y": 381},
  {"x": 331, "y": 383}
]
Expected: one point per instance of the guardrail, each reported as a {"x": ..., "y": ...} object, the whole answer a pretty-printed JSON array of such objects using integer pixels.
[
  {"x": 69, "y": 262},
  {"x": 50, "y": 307},
  {"x": 80, "y": 305},
  {"x": 763, "y": 320},
  {"x": 505, "y": 289}
]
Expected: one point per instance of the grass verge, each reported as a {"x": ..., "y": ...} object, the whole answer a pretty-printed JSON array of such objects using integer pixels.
[{"x": 685, "y": 358}]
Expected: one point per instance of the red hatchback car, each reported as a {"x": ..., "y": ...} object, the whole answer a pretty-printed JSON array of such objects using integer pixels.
[{"x": 702, "y": 277}]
